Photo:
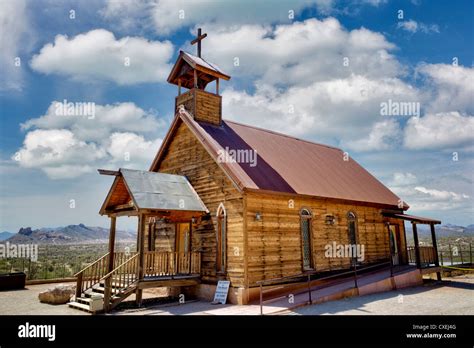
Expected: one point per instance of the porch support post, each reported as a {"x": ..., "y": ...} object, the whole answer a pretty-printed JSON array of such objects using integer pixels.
[
  {"x": 417, "y": 246},
  {"x": 113, "y": 221},
  {"x": 435, "y": 247},
  {"x": 141, "y": 252},
  {"x": 390, "y": 248}
]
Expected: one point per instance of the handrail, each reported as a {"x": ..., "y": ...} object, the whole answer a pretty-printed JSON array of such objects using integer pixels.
[
  {"x": 118, "y": 267},
  {"x": 312, "y": 272},
  {"x": 93, "y": 273},
  {"x": 305, "y": 274},
  {"x": 90, "y": 265},
  {"x": 126, "y": 274}
]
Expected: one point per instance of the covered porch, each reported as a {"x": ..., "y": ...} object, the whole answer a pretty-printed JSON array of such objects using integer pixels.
[
  {"x": 423, "y": 257},
  {"x": 153, "y": 198}
]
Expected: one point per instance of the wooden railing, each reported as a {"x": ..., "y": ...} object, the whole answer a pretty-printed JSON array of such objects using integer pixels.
[
  {"x": 121, "y": 278},
  {"x": 171, "y": 263},
  {"x": 427, "y": 255},
  {"x": 92, "y": 274},
  {"x": 311, "y": 279}
]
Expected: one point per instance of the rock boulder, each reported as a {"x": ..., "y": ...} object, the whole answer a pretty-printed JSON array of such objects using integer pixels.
[{"x": 59, "y": 294}]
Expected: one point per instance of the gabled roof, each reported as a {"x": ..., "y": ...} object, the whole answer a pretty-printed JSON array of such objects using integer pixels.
[
  {"x": 140, "y": 189},
  {"x": 182, "y": 69},
  {"x": 285, "y": 164}
]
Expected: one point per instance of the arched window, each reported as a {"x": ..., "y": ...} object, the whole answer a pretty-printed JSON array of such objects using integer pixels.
[
  {"x": 352, "y": 227},
  {"x": 306, "y": 245},
  {"x": 221, "y": 239},
  {"x": 352, "y": 231}
]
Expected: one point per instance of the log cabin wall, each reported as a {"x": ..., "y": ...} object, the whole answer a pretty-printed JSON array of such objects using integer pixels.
[
  {"x": 186, "y": 156},
  {"x": 274, "y": 242},
  {"x": 204, "y": 106},
  {"x": 164, "y": 236}
]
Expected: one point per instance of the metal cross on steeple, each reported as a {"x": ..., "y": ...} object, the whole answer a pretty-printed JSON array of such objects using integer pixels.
[{"x": 198, "y": 41}]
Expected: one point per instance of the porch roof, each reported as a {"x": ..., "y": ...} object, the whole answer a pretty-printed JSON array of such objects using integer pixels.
[
  {"x": 412, "y": 218},
  {"x": 138, "y": 190}
]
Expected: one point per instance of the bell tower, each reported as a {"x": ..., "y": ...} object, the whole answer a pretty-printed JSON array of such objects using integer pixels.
[{"x": 194, "y": 74}]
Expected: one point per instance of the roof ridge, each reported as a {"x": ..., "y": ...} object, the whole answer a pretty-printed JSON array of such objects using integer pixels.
[{"x": 284, "y": 135}]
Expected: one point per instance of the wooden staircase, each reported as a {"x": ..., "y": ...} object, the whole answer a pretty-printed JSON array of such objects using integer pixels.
[{"x": 98, "y": 290}]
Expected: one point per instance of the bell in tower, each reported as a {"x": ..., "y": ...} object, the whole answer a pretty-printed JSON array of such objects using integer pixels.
[{"x": 194, "y": 73}]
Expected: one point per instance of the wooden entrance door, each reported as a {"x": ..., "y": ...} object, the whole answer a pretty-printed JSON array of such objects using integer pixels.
[
  {"x": 395, "y": 244},
  {"x": 183, "y": 237}
]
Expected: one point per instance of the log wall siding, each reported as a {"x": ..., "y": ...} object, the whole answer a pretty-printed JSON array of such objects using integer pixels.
[
  {"x": 208, "y": 107},
  {"x": 186, "y": 156},
  {"x": 205, "y": 106},
  {"x": 274, "y": 242}
]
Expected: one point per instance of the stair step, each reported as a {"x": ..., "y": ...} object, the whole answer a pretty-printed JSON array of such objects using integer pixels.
[
  {"x": 84, "y": 300},
  {"x": 80, "y": 306},
  {"x": 101, "y": 289}
]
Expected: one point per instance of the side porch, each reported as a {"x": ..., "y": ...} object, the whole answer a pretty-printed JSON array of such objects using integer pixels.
[{"x": 423, "y": 257}]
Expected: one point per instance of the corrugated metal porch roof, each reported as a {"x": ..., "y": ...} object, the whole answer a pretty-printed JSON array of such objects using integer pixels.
[{"x": 158, "y": 191}]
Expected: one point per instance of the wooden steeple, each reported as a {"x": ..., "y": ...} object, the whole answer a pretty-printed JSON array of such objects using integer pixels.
[{"x": 195, "y": 73}]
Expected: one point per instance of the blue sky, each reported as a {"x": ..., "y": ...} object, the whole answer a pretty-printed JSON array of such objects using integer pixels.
[{"x": 331, "y": 62}]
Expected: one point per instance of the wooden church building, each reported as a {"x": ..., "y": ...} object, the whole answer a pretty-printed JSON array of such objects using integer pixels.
[{"x": 228, "y": 201}]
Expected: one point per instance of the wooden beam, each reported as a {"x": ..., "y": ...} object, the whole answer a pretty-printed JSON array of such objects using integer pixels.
[
  {"x": 144, "y": 284},
  {"x": 417, "y": 246},
  {"x": 118, "y": 207},
  {"x": 113, "y": 221},
  {"x": 141, "y": 252},
  {"x": 179, "y": 86},
  {"x": 435, "y": 246},
  {"x": 217, "y": 86},
  {"x": 108, "y": 172},
  {"x": 195, "y": 79}
]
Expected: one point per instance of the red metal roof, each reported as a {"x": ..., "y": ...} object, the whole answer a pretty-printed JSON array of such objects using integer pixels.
[{"x": 291, "y": 165}]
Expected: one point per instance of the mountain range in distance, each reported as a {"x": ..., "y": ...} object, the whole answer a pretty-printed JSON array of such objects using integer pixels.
[
  {"x": 5, "y": 235},
  {"x": 448, "y": 230},
  {"x": 82, "y": 234},
  {"x": 71, "y": 234}
]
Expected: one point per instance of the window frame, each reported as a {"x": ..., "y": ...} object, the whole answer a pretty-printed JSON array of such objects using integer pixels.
[{"x": 309, "y": 218}]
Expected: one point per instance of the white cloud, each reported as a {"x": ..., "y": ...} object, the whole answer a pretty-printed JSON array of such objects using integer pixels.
[
  {"x": 343, "y": 109},
  {"x": 128, "y": 15},
  {"x": 98, "y": 55},
  {"x": 58, "y": 152},
  {"x": 108, "y": 118},
  {"x": 442, "y": 195},
  {"x": 14, "y": 36},
  {"x": 441, "y": 130},
  {"x": 451, "y": 87},
  {"x": 383, "y": 136},
  {"x": 375, "y": 3},
  {"x": 69, "y": 146},
  {"x": 423, "y": 199},
  {"x": 402, "y": 179},
  {"x": 167, "y": 16},
  {"x": 414, "y": 26},
  {"x": 300, "y": 67},
  {"x": 124, "y": 147},
  {"x": 301, "y": 52}
]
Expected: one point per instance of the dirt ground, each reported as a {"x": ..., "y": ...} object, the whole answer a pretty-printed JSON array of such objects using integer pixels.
[
  {"x": 454, "y": 296},
  {"x": 25, "y": 301}
]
